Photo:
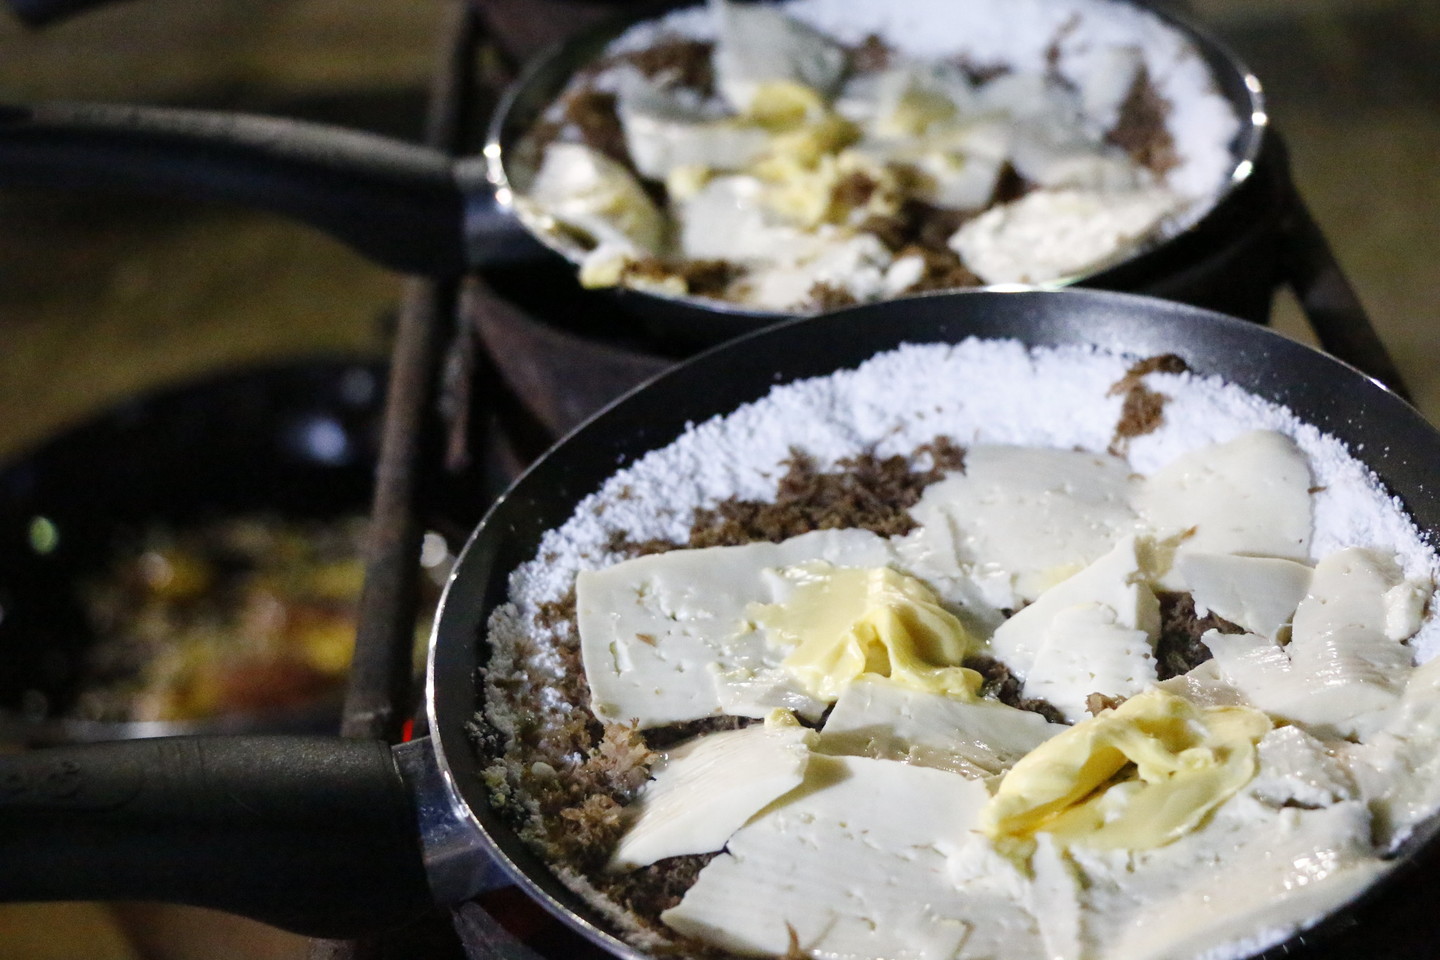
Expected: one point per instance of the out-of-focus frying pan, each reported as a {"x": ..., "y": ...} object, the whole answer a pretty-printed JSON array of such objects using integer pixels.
[
  {"x": 332, "y": 836},
  {"x": 417, "y": 210}
]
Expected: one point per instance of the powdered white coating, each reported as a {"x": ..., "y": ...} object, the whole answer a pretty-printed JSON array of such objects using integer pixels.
[
  {"x": 1021, "y": 34},
  {"x": 977, "y": 391}
]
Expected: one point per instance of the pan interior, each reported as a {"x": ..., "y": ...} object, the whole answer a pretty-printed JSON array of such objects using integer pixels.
[
  {"x": 1396, "y": 443},
  {"x": 512, "y": 158}
]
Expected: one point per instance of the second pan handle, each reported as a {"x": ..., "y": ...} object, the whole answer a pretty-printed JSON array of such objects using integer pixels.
[{"x": 408, "y": 207}]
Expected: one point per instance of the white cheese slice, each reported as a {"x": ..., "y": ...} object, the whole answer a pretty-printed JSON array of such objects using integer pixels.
[
  {"x": 589, "y": 192},
  {"x": 1116, "y": 582},
  {"x": 1341, "y": 655},
  {"x": 759, "y": 44},
  {"x": 1086, "y": 650},
  {"x": 665, "y": 638},
  {"x": 724, "y": 221},
  {"x": 906, "y": 100},
  {"x": 1341, "y": 666},
  {"x": 1331, "y": 688},
  {"x": 1050, "y": 234},
  {"x": 1020, "y": 519},
  {"x": 662, "y": 133},
  {"x": 1296, "y": 769},
  {"x": 1249, "y": 495},
  {"x": 1204, "y": 686},
  {"x": 1053, "y": 898},
  {"x": 854, "y": 863},
  {"x": 855, "y": 263},
  {"x": 1361, "y": 589},
  {"x": 876, "y": 717},
  {"x": 1250, "y": 879},
  {"x": 1054, "y": 154},
  {"x": 706, "y": 788},
  {"x": 1397, "y": 769},
  {"x": 1026, "y": 95},
  {"x": 1257, "y": 593},
  {"x": 957, "y": 181}
]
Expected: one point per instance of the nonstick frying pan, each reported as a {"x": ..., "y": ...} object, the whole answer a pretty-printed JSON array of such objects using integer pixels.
[
  {"x": 334, "y": 837},
  {"x": 417, "y": 210}
]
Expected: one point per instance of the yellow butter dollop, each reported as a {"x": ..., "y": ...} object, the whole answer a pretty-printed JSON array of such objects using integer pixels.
[
  {"x": 1135, "y": 777},
  {"x": 842, "y": 622},
  {"x": 784, "y": 105}
]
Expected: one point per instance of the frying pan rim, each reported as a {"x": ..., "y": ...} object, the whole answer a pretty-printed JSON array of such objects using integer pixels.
[{"x": 471, "y": 576}]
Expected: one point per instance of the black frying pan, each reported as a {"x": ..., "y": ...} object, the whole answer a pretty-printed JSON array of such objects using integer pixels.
[
  {"x": 417, "y": 210},
  {"x": 335, "y": 837}
]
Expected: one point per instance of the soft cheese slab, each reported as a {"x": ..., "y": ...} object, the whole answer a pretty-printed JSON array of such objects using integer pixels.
[
  {"x": 1052, "y": 233},
  {"x": 1020, "y": 519},
  {"x": 1297, "y": 770},
  {"x": 665, "y": 638},
  {"x": 590, "y": 192},
  {"x": 876, "y": 717},
  {"x": 1252, "y": 872},
  {"x": 759, "y": 45},
  {"x": 1341, "y": 666},
  {"x": 855, "y": 864},
  {"x": 662, "y": 135},
  {"x": 1088, "y": 649},
  {"x": 1115, "y": 583},
  {"x": 1257, "y": 593},
  {"x": 1359, "y": 589},
  {"x": 1250, "y": 496},
  {"x": 706, "y": 788}
]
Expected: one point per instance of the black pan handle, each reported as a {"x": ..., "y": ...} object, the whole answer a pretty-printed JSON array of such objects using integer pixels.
[
  {"x": 407, "y": 207},
  {"x": 317, "y": 835}
]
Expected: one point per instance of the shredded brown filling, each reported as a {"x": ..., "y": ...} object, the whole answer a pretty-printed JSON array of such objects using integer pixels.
[
  {"x": 827, "y": 296},
  {"x": 594, "y": 116},
  {"x": 680, "y": 61},
  {"x": 1140, "y": 130},
  {"x": 1000, "y": 684},
  {"x": 1179, "y": 649},
  {"x": 1143, "y": 410},
  {"x": 872, "y": 55},
  {"x": 867, "y": 492},
  {"x": 1098, "y": 703},
  {"x": 652, "y": 890}
]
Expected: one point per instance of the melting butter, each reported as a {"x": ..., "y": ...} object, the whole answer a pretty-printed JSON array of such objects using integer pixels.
[
  {"x": 842, "y": 622},
  {"x": 1135, "y": 777}
]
